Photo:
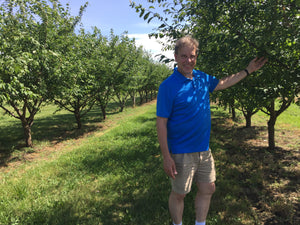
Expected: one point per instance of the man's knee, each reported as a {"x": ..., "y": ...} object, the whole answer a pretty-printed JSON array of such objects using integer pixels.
[
  {"x": 212, "y": 187},
  {"x": 206, "y": 188},
  {"x": 177, "y": 196}
]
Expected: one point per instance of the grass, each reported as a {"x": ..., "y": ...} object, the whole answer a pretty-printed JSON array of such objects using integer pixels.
[
  {"x": 289, "y": 119},
  {"x": 104, "y": 181},
  {"x": 115, "y": 176}
]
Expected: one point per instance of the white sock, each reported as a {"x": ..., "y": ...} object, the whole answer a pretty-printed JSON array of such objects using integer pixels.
[
  {"x": 199, "y": 223},
  {"x": 177, "y": 224}
]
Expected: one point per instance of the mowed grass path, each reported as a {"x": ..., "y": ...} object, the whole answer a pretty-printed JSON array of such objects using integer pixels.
[
  {"x": 116, "y": 177},
  {"x": 109, "y": 179}
]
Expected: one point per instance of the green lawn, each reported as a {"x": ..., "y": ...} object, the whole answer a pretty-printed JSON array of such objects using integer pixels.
[{"x": 115, "y": 176}]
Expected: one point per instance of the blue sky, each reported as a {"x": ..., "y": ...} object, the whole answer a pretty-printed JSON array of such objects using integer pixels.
[{"x": 119, "y": 16}]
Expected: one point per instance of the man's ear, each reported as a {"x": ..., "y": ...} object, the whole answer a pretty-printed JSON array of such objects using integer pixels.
[{"x": 175, "y": 56}]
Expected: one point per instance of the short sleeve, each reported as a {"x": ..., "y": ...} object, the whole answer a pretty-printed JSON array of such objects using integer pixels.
[
  {"x": 213, "y": 82},
  {"x": 164, "y": 101}
]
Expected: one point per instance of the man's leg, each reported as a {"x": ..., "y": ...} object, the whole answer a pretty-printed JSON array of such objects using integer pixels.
[
  {"x": 202, "y": 200},
  {"x": 176, "y": 205}
]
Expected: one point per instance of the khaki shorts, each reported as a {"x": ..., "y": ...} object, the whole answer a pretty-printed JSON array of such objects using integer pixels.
[{"x": 197, "y": 167}]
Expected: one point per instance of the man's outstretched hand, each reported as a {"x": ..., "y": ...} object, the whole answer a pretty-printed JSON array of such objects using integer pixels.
[{"x": 256, "y": 64}]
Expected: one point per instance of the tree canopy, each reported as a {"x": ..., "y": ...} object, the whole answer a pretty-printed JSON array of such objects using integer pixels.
[
  {"x": 44, "y": 60},
  {"x": 230, "y": 34},
  {"x": 31, "y": 36}
]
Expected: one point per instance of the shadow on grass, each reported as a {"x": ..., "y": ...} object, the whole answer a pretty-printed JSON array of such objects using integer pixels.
[
  {"x": 255, "y": 184},
  {"x": 251, "y": 179},
  {"x": 136, "y": 189},
  {"x": 128, "y": 185},
  {"x": 53, "y": 129}
]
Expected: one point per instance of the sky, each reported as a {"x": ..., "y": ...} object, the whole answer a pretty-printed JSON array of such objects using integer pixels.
[{"x": 120, "y": 17}]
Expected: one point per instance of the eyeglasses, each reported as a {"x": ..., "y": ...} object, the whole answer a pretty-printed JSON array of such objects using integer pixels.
[{"x": 185, "y": 57}]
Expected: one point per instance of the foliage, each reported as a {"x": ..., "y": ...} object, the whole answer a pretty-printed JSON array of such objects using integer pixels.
[
  {"x": 76, "y": 83},
  {"x": 42, "y": 59},
  {"x": 31, "y": 36}
]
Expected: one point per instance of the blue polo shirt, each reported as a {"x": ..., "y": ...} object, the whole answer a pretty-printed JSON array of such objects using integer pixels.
[{"x": 185, "y": 102}]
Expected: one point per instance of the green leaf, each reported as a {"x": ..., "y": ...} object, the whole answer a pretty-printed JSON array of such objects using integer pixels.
[
  {"x": 162, "y": 26},
  {"x": 146, "y": 16},
  {"x": 142, "y": 12},
  {"x": 149, "y": 20}
]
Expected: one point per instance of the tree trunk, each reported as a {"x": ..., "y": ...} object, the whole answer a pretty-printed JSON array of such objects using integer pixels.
[
  {"x": 133, "y": 101},
  {"x": 122, "y": 106},
  {"x": 141, "y": 97},
  {"x": 233, "y": 114},
  {"x": 78, "y": 120},
  {"x": 103, "y": 110},
  {"x": 271, "y": 126},
  {"x": 271, "y": 133},
  {"x": 146, "y": 96},
  {"x": 27, "y": 133},
  {"x": 248, "y": 120}
]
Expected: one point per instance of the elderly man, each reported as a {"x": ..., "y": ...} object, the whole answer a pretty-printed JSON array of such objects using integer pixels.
[{"x": 183, "y": 128}]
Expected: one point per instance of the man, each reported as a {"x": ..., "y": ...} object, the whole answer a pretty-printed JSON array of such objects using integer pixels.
[{"x": 183, "y": 128}]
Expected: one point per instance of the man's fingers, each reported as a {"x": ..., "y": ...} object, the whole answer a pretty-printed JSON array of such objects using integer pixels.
[
  {"x": 174, "y": 172},
  {"x": 257, "y": 63},
  {"x": 262, "y": 60},
  {"x": 170, "y": 168}
]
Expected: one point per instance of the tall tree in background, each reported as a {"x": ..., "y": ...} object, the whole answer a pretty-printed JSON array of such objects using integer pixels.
[
  {"x": 105, "y": 64},
  {"x": 230, "y": 33},
  {"x": 76, "y": 84},
  {"x": 125, "y": 48},
  {"x": 32, "y": 33}
]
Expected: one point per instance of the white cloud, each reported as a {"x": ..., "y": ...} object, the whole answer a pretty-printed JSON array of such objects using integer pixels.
[{"x": 151, "y": 45}]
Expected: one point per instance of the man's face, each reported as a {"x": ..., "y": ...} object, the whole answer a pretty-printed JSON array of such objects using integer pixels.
[{"x": 186, "y": 59}]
